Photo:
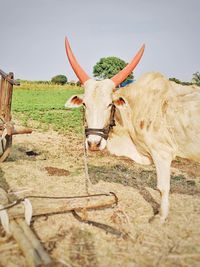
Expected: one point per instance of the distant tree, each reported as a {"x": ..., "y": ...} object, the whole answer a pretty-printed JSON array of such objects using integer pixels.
[
  {"x": 78, "y": 83},
  {"x": 196, "y": 78},
  {"x": 59, "y": 79},
  {"x": 34, "y": 81},
  {"x": 42, "y": 82},
  {"x": 175, "y": 80},
  {"x": 180, "y": 82},
  {"x": 72, "y": 82},
  {"x": 107, "y": 67}
]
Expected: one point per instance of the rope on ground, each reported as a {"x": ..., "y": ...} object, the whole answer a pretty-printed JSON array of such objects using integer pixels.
[{"x": 85, "y": 160}]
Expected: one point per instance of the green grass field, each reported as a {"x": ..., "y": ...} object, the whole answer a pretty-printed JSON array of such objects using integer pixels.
[{"x": 45, "y": 104}]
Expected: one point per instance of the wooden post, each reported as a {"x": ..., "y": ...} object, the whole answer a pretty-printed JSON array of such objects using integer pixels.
[
  {"x": 2, "y": 95},
  {"x": 8, "y": 98}
]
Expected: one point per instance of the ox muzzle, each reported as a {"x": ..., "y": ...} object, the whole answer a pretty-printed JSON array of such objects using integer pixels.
[{"x": 103, "y": 133}]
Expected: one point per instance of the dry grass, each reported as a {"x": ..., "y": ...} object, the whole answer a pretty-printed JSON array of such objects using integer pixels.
[{"x": 176, "y": 243}]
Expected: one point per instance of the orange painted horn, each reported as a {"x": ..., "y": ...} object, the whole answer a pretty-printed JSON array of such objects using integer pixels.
[
  {"x": 123, "y": 74},
  {"x": 80, "y": 73}
]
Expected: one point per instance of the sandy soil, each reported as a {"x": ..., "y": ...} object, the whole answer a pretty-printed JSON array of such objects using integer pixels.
[{"x": 47, "y": 163}]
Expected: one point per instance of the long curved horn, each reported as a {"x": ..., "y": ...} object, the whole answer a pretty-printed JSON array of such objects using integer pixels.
[
  {"x": 80, "y": 73},
  {"x": 123, "y": 74}
]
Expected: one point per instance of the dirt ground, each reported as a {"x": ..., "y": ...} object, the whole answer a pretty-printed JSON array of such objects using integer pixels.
[{"x": 48, "y": 163}]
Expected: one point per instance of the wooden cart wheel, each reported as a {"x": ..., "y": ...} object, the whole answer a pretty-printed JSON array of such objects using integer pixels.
[{"x": 7, "y": 148}]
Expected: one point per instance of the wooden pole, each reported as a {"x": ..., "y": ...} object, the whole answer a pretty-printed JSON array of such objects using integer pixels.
[
  {"x": 8, "y": 98},
  {"x": 21, "y": 131},
  {"x": 2, "y": 97},
  {"x": 35, "y": 242},
  {"x": 32, "y": 258},
  {"x": 46, "y": 206}
]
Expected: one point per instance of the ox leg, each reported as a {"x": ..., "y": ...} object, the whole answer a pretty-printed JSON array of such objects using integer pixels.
[{"x": 163, "y": 164}]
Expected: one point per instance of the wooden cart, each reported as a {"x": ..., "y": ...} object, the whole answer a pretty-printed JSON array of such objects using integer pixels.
[{"x": 6, "y": 126}]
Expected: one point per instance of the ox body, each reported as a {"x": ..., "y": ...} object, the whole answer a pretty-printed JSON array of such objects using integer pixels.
[{"x": 155, "y": 121}]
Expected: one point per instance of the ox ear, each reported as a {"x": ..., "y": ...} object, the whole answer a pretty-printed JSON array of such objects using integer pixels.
[
  {"x": 75, "y": 101},
  {"x": 120, "y": 102}
]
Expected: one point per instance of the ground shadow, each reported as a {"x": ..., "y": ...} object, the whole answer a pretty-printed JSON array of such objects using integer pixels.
[
  {"x": 120, "y": 173},
  {"x": 22, "y": 152},
  {"x": 139, "y": 179}
]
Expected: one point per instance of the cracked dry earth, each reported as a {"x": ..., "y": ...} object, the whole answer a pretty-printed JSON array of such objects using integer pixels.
[{"x": 48, "y": 163}]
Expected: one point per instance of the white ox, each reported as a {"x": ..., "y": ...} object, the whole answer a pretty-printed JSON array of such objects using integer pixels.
[{"x": 156, "y": 120}]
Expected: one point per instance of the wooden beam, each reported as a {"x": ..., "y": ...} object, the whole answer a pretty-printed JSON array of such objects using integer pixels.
[
  {"x": 21, "y": 131},
  {"x": 14, "y": 131},
  {"x": 35, "y": 242},
  {"x": 45, "y": 206},
  {"x": 31, "y": 256}
]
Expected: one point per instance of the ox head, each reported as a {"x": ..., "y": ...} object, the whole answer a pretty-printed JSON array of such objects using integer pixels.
[{"x": 98, "y": 100}]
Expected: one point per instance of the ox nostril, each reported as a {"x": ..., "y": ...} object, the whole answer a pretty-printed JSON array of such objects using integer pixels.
[
  {"x": 94, "y": 145},
  {"x": 89, "y": 143},
  {"x": 99, "y": 143}
]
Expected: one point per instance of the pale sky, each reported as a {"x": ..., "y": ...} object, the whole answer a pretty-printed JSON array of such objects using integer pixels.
[{"x": 32, "y": 35}]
